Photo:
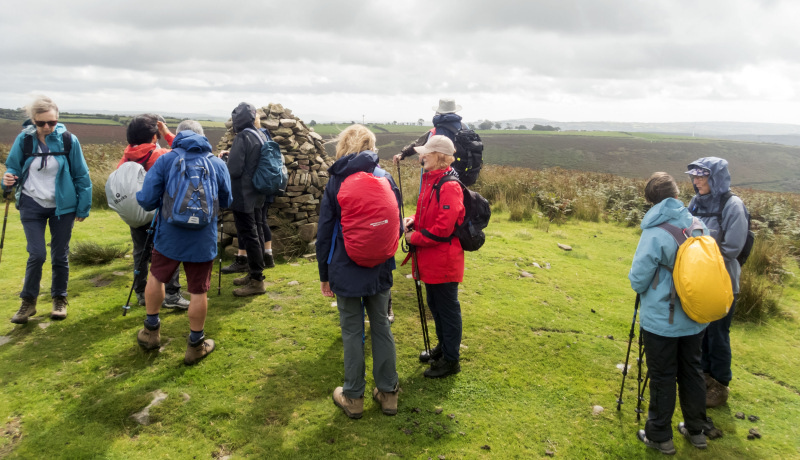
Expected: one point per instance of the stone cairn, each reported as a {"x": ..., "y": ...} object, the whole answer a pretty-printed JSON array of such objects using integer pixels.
[{"x": 292, "y": 217}]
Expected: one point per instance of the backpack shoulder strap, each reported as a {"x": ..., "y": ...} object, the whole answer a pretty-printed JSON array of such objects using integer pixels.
[
  {"x": 446, "y": 178},
  {"x": 145, "y": 159},
  {"x": 256, "y": 134}
]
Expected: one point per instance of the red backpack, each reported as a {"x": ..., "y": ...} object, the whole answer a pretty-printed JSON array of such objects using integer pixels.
[{"x": 370, "y": 222}]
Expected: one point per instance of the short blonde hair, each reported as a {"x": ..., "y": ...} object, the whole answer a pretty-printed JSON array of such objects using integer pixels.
[
  {"x": 441, "y": 160},
  {"x": 353, "y": 139},
  {"x": 39, "y": 105}
]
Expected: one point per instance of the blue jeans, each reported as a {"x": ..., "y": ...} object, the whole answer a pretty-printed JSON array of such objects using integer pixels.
[
  {"x": 384, "y": 356},
  {"x": 717, "y": 347},
  {"x": 446, "y": 310},
  {"x": 34, "y": 221}
]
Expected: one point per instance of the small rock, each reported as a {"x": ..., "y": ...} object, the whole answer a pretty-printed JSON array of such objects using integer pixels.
[
  {"x": 565, "y": 247},
  {"x": 753, "y": 418},
  {"x": 334, "y": 304},
  {"x": 739, "y": 415},
  {"x": 293, "y": 283},
  {"x": 537, "y": 265},
  {"x": 186, "y": 397},
  {"x": 409, "y": 276},
  {"x": 44, "y": 325},
  {"x": 596, "y": 410},
  {"x": 441, "y": 457},
  {"x": 462, "y": 433},
  {"x": 525, "y": 274},
  {"x": 4, "y": 339},
  {"x": 486, "y": 447},
  {"x": 439, "y": 411},
  {"x": 547, "y": 265},
  {"x": 753, "y": 432},
  {"x": 452, "y": 416},
  {"x": 549, "y": 453}
]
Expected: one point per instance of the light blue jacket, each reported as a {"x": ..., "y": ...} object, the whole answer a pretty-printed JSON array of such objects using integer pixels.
[
  {"x": 178, "y": 243},
  {"x": 656, "y": 248},
  {"x": 73, "y": 185}
]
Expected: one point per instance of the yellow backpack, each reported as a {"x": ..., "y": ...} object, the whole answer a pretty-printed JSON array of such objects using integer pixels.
[{"x": 699, "y": 276}]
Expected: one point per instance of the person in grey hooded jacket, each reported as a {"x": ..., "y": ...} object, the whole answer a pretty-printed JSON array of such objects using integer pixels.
[{"x": 729, "y": 226}]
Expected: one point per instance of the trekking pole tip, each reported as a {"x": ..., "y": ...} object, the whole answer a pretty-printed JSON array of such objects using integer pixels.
[{"x": 125, "y": 309}]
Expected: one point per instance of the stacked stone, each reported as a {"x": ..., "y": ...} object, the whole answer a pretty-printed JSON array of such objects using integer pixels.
[{"x": 307, "y": 163}]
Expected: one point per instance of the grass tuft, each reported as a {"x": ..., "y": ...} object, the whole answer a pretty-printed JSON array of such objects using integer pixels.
[{"x": 88, "y": 253}]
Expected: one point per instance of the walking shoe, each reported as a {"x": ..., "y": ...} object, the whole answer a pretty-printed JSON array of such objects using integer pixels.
[
  {"x": 353, "y": 408},
  {"x": 241, "y": 281},
  {"x": 149, "y": 337},
  {"x": 59, "y": 307},
  {"x": 239, "y": 265},
  {"x": 175, "y": 301},
  {"x": 253, "y": 287},
  {"x": 667, "y": 447},
  {"x": 442, "y": 368},
  {"x": 195, "y": 351},
  {"x": 697, "y": 440},
  {"x": 388, "y": 401},
  {"x": 269, "y": 261},
  {"x": 434, "y": 355},
  {"x": 391, "y": 312},
  {"x": 716, "y": 394},
  {"x": 140, "y": 299},
  {"x": 26, "y": 310}
]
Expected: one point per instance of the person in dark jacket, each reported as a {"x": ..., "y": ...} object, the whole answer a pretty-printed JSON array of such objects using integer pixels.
[
  {"x": 671, "y": 339},
  {"x": 357, "y": 287},
  {"x": 52, "y": 190},
  {"x": 446, "y": 122},
  {"x": 195, "y": 248},
  {"x": 438, "y": 259},
  {"x": 729, "y": 226},
  {"x": 247, "y": 201}
]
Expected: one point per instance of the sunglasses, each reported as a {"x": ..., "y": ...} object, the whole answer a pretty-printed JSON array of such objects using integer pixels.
[{"x": 51, "y": 123}]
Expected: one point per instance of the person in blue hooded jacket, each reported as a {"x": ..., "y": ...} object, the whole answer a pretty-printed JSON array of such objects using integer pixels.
[
  {"x": 671, "y": 341},
  {"x": 357, "y": 287},
  {"x": 173, "y": 245},
  {"x": 727, "y": 221},
  {"x": 446, "y": 122},
  {"x": 52, "y": 189}
]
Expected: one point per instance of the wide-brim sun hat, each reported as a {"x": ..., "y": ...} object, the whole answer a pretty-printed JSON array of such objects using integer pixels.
[
  {"x": 441, "y": 144},
  {"x": 447, "y": 106}
]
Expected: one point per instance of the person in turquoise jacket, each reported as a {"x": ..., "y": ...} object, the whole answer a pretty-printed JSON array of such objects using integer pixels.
[
  {"x": 671, "y": 345},
  {"x": 52, "y": 188}
]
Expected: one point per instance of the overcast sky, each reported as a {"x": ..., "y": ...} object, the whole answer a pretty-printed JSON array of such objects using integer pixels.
[{"x": 564, "y": 60}]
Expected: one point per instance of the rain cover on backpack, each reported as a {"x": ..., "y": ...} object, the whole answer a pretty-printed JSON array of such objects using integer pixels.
[
  {"x": 191, "y": 197},
  {"x": 121, "y": 188},
  {"x": 370, "y": 218},
  {"x": 699, "y": 275}
]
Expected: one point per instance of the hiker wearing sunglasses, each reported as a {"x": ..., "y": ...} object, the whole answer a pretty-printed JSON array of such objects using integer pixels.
[{"x": 53, "y": 187}]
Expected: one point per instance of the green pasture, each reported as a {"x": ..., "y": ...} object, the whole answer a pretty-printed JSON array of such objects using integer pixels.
[{"x": 541, "y": 347}]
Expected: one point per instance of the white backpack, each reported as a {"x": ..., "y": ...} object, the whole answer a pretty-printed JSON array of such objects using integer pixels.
[{"x": 121, "y": 188}]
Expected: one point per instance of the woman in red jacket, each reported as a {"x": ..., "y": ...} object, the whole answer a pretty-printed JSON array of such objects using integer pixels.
[{"x": 439, "y": 261}]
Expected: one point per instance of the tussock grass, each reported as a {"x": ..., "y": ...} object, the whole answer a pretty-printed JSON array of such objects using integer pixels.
[{"x": 89, "y": 253}]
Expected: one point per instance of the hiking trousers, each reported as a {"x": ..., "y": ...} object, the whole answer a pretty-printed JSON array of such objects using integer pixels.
[
  {"x": 384, "y": 355},
  {"x": 248, "y": 235},
  {"x": 671, "y": 361},
  {"x": 35, "y": 220},
  {"x": 446, "y": 310},
  {"x": 717, "y": 347},
  {"x": 139, "y": 237}
]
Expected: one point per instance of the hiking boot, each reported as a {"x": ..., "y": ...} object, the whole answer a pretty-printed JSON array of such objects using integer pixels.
[
  {"x": 239, "y": 265},
  {"x": 26, "y": 310},
  {"x": 697, "y": 440},
  {"x": 242, "y": 281},
  {"x": 442, "y": 368},
  {"x": 175, "y": 301},
  {"x": 140, "y": 299},
  {"x": 59, "y": 307},
  {"x": 253, "y": 287},
  {"x": 195, "y": 351},
  {"x": 149, "y": 337},
  {"x": 269, "y": 261},
  {"x": 391, "y": 312},
  {"x": 716, "y": 394},
  {"x": 388, "y": 401},
  {"x": 353, "y": 408},
  {"x": 667, "y": 447},
  {"x": 433, "y": 355}
]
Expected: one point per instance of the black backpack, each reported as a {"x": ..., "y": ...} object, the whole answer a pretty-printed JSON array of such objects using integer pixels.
[
  {"x": 469, "y": 154},
  {"x": 748, "y": 244},
  {"x": 476, "y": 217},
  {"x": 27, "y": 147}
]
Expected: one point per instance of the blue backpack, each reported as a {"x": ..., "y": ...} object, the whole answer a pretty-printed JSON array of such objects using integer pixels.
[
  {"x": 271, "y": 175},
  {"x": 191, "y": 196}
]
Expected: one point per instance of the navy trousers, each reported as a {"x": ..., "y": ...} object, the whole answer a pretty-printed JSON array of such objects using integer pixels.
[
  {"x": 446, "y": 310},
  {"x": 35, "y": 220}
]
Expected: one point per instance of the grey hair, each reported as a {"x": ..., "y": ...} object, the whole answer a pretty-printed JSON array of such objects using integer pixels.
[
  {"x": 190, "y": 125},
  {"x": 41, "y": 104}
]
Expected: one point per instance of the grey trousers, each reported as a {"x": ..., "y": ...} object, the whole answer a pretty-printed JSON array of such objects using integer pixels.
[{"x": 384, "y": 356}]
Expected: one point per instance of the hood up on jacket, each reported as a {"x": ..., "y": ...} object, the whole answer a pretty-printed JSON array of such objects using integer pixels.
[
  {"x": 365, "y": 161},
  {"x": 665, "y": 211},
  {"x": 719, "y": 180},
  {"x": 243, "y": 117},
  {"x": 450, "y": 121},
  {"x": 192, "y": 142}
]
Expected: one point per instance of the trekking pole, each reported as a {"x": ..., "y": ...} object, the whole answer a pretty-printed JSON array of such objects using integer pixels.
[
  {"x": 403, "y": 243},
  {"x": 640, "y": 392},
  {"x": 138, "y": 270},
  {"x": 219, "y": 250},
  {"x": 426, "y": 341},
  {"x": 628, "y": 354},
  {"x": 5, "y": 220}
]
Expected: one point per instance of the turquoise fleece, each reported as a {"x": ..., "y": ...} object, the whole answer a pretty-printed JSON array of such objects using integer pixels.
[
  {"x": 73, "y": 185},
  {"x": 656, "y": 248}
]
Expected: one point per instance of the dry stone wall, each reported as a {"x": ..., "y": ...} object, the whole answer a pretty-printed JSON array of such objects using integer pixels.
[{"x": 292, "y": 217}]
